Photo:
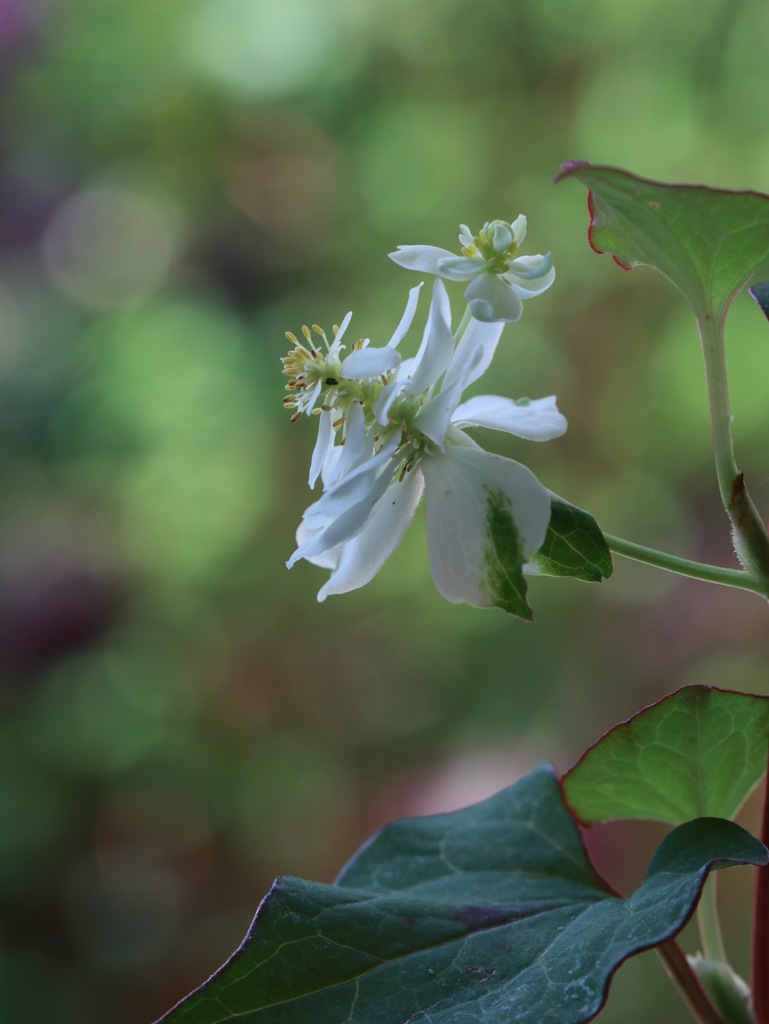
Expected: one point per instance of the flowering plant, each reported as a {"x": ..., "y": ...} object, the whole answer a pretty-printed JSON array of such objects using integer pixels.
[
  {"x": 495, "y": 913},
  {"x": 499, "y": 279},
  {"x": 401, "y": 425}
]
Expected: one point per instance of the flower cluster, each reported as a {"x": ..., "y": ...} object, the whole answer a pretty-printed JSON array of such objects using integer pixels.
[
  {"x": 499, "y": 278},
  {"x": 392, "y": 428}
]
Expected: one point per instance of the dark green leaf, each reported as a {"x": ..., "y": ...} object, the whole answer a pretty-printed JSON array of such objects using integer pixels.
[
  {"x": 574, "y": 546},
  {"x": 489, "y": 915},
  {"x": 708, "y": 242},
  {"x": 698, "y": 751}
]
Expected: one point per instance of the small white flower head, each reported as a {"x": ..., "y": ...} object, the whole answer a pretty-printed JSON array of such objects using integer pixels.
[
  {"x": 326, "y": 383},
  {"x": 312, "y": 367},
  {"x": 404, "y": 434},
  {"x": 499, "y": 278}
]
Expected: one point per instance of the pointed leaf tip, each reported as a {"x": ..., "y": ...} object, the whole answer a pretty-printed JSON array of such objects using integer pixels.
[{"x": 567, "y": 167}]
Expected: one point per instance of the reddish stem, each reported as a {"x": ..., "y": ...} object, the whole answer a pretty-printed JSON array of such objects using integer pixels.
[
  {"x": 759, "y": 968},
  {"x": 680, "y": 971}
]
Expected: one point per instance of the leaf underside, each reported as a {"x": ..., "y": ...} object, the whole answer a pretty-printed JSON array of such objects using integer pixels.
[
  {"x": 488, "y": 915},
  {"x": 699, "y": 751},
  {"x": 707, "y": 241}
]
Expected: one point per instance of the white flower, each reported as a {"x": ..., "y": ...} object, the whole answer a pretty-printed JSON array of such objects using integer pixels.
[
  {"x": 499, "y": 279},
  {"x": 324, "y": 371},
  {"x": 485, "y": 514}
]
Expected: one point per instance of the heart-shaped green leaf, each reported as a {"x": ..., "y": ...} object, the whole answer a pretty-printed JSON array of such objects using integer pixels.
[
  {"x": 697, "y": 752},
  {"x": 574, "y": 546},
  {"x": 707, "y": 241},
  {"x": 492, "y": 914}
]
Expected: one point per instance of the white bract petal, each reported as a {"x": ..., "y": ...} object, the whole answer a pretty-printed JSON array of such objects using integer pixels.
[
  {"x": 485, "y": 516},
  {"x": 390, "y": 427},
  {"x": 501, "y": 237},
  {"x": 434, "y": 417},
  {"x": 356, "y": 562},
  {"x": 326, "y": 530},
  {"x": 354, "y": 485},
  {"x": 465, "y": 236},
  {"x": 491, "y": 298},
  {"x": 499, "y": 278},
  {"x": 518, "y": 227},
  {"x": 355, "y": 449},
  {"x": 313, "y": 397},
  {"x": 336, "y": 344},
  {"x": 323, "y": 445},
  {"x": 424, "y": 258},
  {"x": 437, "y": 346},
  {"x": 384, "y": 401},
  {"x": 364, "y": 363},
  {"x": 408, "y": 315},
  {"x": 460, "y": 268},
  {"x": 528, "y": 268},
  {"x": 533, "y": 419},
  {"x": 474, "y": 352},
  {"x": 529, "y": 282},
  {"x": 326, "y": 559}
]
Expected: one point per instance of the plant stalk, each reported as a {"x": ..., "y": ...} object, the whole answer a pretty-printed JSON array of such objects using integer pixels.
[
  {"x": 679, "y": 970},
  {"x": 709, "y": 924},
  {"x": 463, "y": 323},
  {"x": 749, "y": 535},
  {"x": 685, "y": 567}
]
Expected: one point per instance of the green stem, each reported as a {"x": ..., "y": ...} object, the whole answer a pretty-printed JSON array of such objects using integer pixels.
[
  {"x": 684, "y": 566},
  {"x": 680, "y": 971},
  {"x": 751, "y": 541},
  {"x": 712, "y": 338},
  {"x": 464, "y": 323},
  {"x": 709, "y": 924}
]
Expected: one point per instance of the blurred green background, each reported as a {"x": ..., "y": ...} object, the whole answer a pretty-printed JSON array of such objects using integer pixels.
[{"x": 181, "y": 183}]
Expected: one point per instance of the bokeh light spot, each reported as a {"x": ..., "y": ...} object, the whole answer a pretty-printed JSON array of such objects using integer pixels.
[
  {"x": 108, "y": 246},
  {"x": 269, "y": 47}
]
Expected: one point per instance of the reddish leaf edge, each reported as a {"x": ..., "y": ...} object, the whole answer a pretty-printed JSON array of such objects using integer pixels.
[
  {"x": 703, "y": 689},
  {"x": 571, "y": 167}
]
